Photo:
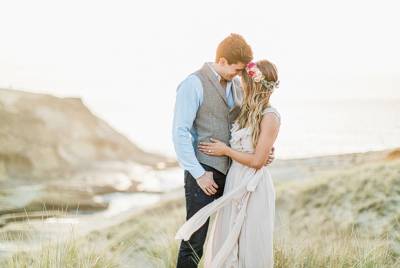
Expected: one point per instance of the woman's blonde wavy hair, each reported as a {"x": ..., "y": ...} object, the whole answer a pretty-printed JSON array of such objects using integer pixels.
[{"x": 256, "y": 99}]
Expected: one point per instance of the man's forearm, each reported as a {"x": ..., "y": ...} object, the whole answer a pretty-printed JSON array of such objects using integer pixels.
[{"x": 185, "y": 153}]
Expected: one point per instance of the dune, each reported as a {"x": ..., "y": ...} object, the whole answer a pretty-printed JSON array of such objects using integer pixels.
[
  {"x": 342, "y": 217},
  {"x": 364, "y": 199},
  {"x": 395, "y": 154}
]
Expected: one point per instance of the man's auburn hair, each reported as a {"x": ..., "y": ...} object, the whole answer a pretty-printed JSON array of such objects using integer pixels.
[{"x": 234, "y": 49}]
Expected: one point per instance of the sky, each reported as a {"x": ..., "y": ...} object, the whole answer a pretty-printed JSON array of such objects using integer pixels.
[{"x": 126, "y": 58}]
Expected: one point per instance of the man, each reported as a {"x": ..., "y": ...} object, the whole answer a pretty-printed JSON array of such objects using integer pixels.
[{"x": 207, "y": 103}]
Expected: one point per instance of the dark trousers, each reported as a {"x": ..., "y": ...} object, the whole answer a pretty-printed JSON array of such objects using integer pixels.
[{"x": 191, "y": 251}]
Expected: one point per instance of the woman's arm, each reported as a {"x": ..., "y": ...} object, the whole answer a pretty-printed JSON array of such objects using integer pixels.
[{"x": 269, "y": 131}]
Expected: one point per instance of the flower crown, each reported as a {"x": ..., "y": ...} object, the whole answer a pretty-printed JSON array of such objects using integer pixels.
[{"x": 255, "y": 74}]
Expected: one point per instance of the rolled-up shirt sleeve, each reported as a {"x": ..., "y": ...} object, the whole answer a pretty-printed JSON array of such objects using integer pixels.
[{"x": 189, "y": 97}]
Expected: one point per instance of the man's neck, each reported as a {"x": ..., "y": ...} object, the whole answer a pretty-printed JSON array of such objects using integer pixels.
[{"x": 217, "y": 69}]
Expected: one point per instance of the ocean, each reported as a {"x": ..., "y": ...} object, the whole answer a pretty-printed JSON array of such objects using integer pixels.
[
  {"x": 309, "y": 127},
  {"x": 325, "y": 127}
]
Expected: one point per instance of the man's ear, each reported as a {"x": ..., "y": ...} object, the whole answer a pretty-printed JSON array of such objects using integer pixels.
[{"x": 222, "y": 61}]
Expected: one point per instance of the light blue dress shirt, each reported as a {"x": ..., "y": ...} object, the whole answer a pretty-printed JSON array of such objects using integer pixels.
[{"x": 189, "y": 97}]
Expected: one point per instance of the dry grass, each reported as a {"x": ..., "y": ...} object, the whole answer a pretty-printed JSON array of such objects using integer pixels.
[{"x": 347, "y": 218}]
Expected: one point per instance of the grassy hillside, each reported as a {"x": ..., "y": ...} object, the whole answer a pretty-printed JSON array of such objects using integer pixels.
[
  {"x": 345, "y": 218},
  {"x": 366, "y": 198}
]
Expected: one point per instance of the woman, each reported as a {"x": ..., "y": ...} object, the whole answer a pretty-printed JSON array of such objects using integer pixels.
[{"x": 242, "y": 231}]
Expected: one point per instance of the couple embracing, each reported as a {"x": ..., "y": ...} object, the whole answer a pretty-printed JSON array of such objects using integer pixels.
[{"x": 224, "y": 129}]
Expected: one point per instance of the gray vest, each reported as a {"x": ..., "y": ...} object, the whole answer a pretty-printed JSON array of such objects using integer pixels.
[{"x": 214, "y": 118}]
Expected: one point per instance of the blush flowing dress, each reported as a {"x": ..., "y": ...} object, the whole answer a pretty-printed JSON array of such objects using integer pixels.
[{"x": 241, "y": 234}]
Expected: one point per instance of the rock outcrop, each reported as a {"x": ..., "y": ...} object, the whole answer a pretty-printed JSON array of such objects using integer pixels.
[
  {"x": 55, "y": 153},
  {"x": 46, "y": 137}
]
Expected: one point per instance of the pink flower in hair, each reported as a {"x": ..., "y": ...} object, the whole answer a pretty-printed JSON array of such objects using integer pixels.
[
  {"x": 251, "y": 74},
  {"x": 251, "y": 65},
  {"x": 257, "y": 76},
  {"x": 254, "y": 72}
]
